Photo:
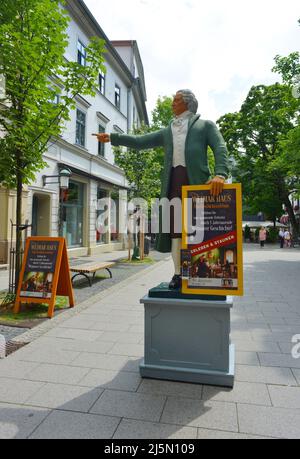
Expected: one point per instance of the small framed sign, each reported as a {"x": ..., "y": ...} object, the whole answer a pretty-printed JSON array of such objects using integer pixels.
[
  {"x": 212, "y": 242},
  {"x": 45, "y": 273}
]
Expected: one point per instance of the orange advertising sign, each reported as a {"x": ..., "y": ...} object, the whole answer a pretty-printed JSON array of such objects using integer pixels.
[{"x": 45, "y": 273}]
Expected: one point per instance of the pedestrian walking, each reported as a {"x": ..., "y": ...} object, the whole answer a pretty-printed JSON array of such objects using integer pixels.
[
  {"x": 281, "y": 238},
  {"x": 262, "y": 237},
  {"x": 287, "y": 238}
]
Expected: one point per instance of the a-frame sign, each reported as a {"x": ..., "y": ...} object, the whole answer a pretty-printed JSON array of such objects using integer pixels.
[{"x": 45, "y": 273}]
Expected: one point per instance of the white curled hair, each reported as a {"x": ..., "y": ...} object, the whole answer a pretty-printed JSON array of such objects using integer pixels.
[{"x": 190, "y": 99}]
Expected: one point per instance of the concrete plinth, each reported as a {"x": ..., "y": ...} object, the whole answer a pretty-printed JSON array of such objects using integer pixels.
[{"x": 188, "y": 340}]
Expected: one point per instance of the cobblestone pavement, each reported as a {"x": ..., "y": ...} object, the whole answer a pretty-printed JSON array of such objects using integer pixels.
[
  {"x": 81, "y": 378},
  {"x": 83, "y": 291},
  {"x": 10, "y": 333}
]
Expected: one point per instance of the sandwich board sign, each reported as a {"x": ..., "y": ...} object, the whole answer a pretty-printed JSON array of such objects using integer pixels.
[
  {"x": 45, "y": 273},
  {"x": 212, "y": 265}
]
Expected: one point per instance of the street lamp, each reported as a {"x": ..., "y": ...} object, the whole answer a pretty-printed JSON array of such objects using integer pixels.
[
  {"x": 64, "y": 182},
  {"x": 63, "y": 178}
]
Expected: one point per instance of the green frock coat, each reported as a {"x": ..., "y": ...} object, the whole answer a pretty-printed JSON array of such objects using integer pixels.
[{"x": 201, "y": 135}]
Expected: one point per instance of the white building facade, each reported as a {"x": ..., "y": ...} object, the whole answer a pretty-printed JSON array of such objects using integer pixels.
[{"x": 118, "y": 105}]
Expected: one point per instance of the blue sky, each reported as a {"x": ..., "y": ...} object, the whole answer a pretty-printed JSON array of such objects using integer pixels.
[{"x": 216, "y": 48}]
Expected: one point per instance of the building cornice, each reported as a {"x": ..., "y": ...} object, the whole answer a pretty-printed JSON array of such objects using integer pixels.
[
  {"x": 84, "y": 17},
  {"x": 85, "y": 154}
]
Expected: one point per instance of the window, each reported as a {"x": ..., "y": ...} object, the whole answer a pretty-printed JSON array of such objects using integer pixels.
[
  {"x": 118, "y": 96},
  {"x": 102, "y": 83},
  {"x": 102, "y": 235},
  {"x": 72, "y": 214},
  {"x": 114, "y": 217},
  {"x": 101, "y": 146},
  {"x": 81, "y": 54},
  {"x": 80, "y": 128}
]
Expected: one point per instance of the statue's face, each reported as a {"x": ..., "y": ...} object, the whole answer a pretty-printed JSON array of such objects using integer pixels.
[{"x": 179, "y": 106}]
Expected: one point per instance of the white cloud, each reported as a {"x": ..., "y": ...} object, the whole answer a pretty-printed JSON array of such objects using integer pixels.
[{"x": 217, "y": 48}]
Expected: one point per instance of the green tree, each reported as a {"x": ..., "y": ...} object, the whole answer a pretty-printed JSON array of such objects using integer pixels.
[
  {"x": 142, "y": 169},
  {"x": 163, "y": 113},
  {"x": 33, "y": 40},
  {"x": 289, "y": 69},
  {"x": 255, "y": 136}
]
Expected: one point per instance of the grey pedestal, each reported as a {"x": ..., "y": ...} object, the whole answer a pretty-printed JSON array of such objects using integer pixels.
[{"x": 188, "y": 340}]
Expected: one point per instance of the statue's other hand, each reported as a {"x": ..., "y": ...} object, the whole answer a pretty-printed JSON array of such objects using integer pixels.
[
  {"x": 217, "y": 185},
  {"x": 102, "y": 138}
]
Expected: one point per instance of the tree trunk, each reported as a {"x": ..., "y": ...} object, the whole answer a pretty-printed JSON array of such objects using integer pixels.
[{"x": 18, "y": 229}]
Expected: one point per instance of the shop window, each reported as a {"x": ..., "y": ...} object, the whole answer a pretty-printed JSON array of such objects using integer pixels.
[{"x": 72, "y": 203}]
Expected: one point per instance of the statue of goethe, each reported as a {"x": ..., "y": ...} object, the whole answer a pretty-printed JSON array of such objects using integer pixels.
[{"x": 186, "y": 141}]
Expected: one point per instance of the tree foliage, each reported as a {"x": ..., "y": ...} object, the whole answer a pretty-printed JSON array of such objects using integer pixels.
[
  {"x": 33, "y": 39},
  {"x": 255, "y": 136},
  {"x": 162, "y": 114},
  {"x": 142, "y": 169}
]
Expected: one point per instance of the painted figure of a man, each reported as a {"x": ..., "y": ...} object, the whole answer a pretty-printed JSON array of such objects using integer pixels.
[{"x": 186, "y": 141}]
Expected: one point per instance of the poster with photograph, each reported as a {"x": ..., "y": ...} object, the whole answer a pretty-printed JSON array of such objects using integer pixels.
[
  {"x": 39, "y": 269},
  {"x": 45, "y": 274},
  {"x": 212, "y": 258}
]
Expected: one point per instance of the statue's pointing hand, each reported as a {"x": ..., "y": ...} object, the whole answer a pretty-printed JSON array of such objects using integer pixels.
[
  {"x": 102, "y": 138},
  {"x": 217, "y": 185}
]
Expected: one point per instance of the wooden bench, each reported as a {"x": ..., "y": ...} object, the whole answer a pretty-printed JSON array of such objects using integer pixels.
[
  {"x": 4, "y": 267},
  {"x": 90, "y": 268}
]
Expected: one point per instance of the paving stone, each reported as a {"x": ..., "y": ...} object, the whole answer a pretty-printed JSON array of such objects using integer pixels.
[
  {"x": 122, "y": 338},
  {"x": 96, "y": 347},
  {"x": 270, "y": 337},
  {"x": 272, "y": 422},
  {"x": 111, "y": 326},
  {"x": 104, "y": 362},
  {"x": 285, "y": 397},
  {"x": 281, "y": 376},
  {"x": 52, "y": 356},
  {"x": 81, "y": 335},
  {"x": 246, "y": 358},
  {"x": 249, "y": 393},
  {"x": 130, "y": 405},
  {"x": 139, "y": 430},
  {"x": 66, "y": 425},
  {"x": 58, "y": 374},
  {"x": 279, "y": 360},
  {"x": 255, "y": 346},
  {"x": 117, "y": 380},
  {"x": 132, "y": 350},
  {"x": 78, "y": 323},
  {"x": 292, "y": 329},
  {"x": 133, "y": 365},
  {"x": 17, "y": 391},
  {"x": 151, "y": 386},
  {"x": 194, "y": 413},
  {"x": 68, "y": 398},
  {"x": 286, "y": 348},
  {"x": 297, "y": 375},
  {"x": 205, "y": 434},
  {"x": 18, "y": 422},
  {"x": 10, "y": 368}
]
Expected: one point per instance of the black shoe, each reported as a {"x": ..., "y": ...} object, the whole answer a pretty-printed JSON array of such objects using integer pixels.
[{"x": 175, "y": 283}]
